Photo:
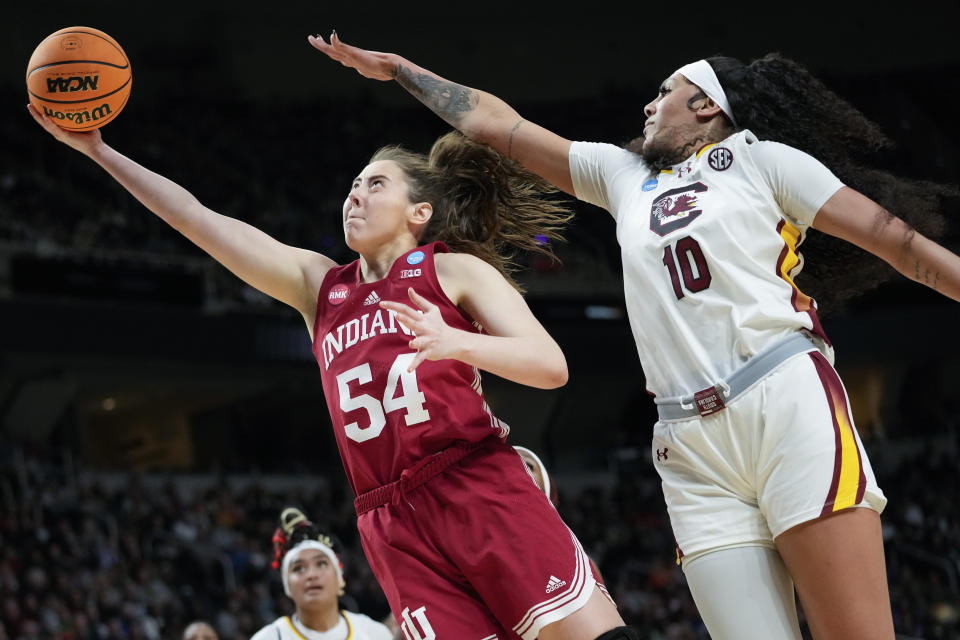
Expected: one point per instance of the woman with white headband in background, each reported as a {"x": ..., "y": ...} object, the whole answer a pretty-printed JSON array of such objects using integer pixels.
[
  {"x": 312, "y": 574},
  {"x": 765, "y": 479}
]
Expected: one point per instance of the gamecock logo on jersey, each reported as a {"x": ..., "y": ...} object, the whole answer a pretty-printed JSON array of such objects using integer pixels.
[{"x": 675, "y": 209}]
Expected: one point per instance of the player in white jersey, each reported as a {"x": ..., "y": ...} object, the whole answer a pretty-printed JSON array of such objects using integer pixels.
[
  {"x": 312, "y": 574},
  {"x": 760, "y": 462}
]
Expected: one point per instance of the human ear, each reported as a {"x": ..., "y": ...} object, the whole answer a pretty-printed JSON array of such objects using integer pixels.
[
  {"x": 422, "y": 212},
  {"x": 707, "y": 108}
]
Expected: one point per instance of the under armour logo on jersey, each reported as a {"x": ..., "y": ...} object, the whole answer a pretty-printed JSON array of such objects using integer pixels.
[
  {"x": 683, "y": 170},
  {"x": 409, "y": 626},
  {"x": 373, "y": 298},
  {"x": 662, "y": 455},
  {"x": 720, "y": 158},
  {"x": 555, "y": 583}
]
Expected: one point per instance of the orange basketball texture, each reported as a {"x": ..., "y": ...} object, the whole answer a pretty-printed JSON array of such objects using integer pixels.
[{"x": 79, "y": 77}]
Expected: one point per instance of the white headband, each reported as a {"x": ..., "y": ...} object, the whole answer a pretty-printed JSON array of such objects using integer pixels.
[
  {"x": 701, "y": 74},
  {"x": 542, "y": 469},
  {"x": 309, "y": 544}
]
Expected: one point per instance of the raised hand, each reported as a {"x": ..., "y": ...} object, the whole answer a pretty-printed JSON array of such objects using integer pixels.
[
  {"x": 369, "y": 64},
  {"x": 82, "y": 141},
  {"x": 433, "y": 338}
]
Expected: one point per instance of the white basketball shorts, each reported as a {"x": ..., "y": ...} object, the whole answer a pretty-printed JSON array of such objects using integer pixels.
[{"x": 783, "y": 452}]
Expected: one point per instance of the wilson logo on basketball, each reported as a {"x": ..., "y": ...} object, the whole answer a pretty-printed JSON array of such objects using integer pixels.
[
  {"x": 338, "y": 294},
  {"x": 77, "y": 117},
  {"x": 73, "y": 83}
]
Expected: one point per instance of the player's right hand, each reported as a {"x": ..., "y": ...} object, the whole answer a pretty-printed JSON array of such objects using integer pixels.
[
  {"x": 82, "y": 141},
  {"x": 369, "y": 64}
]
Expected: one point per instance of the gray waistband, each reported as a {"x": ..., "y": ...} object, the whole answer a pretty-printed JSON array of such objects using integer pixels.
[{"x": 738, "y": 382}]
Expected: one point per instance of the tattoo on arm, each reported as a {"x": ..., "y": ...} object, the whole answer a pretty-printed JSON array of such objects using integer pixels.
[
  {"x": 510, "y": 142},
  {"x": 923, "y": 275},
  {"x": 447, "y": 99}
]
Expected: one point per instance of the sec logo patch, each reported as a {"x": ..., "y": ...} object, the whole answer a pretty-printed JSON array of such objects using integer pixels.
[
  {"x": 720, "y": 158},
  {"x": 338, "y": 294}
]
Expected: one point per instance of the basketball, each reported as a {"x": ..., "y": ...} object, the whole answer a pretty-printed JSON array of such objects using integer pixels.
[{"x": 79, "y": 77}]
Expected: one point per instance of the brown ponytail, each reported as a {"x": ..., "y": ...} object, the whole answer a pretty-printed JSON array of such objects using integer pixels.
[{"x": 484, "y": 204}]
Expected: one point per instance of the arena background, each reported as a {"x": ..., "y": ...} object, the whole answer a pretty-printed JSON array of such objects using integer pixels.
[{"x": 138, "y": 378}]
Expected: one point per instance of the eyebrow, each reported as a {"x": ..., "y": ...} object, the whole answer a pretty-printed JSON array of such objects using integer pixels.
[{"x": 369, "y": 178}]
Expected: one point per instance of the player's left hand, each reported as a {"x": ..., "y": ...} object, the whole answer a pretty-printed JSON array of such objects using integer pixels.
[
  {"x": 369, "y": 64},
  {"x": 433, "y": 338}
]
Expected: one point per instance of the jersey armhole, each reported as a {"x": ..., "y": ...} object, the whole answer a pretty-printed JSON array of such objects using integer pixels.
[
  {"x": 466, "y": 316},
  {"x": 323, "y": 288}
]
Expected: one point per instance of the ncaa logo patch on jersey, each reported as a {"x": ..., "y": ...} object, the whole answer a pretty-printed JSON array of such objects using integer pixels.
[
  {"x": 720, "y": 158},
  {"x": 416, "y": 257},
  {"x": 338, "y": 294},
  {"x": 650, "y": 184}
]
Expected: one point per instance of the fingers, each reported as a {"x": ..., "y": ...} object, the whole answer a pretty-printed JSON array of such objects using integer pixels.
[
  {"x": 420, "y": 301},
  {"x": 51, "y": 127},
  {"x": 402, "y": 311},
  {"x": 41, "y": 119},
  {"x": 421, "y": 356}
]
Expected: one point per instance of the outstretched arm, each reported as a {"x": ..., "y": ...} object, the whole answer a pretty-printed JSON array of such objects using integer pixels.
[
  {"x": 289, "y": 274},
  {"x": 480, "y": 115},
  {"x": 852, "y": 216},
  {"x": 515, "y": 346}
]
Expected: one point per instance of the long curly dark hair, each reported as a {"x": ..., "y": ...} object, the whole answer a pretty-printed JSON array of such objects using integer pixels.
[
  {"x": 778, "y": 99},
  {"x": 484, "y": 203}
]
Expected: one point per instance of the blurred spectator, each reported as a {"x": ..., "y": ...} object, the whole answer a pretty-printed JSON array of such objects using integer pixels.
[
  {"x": 200, "y": 630},
  {"x": 86, "y": 558}
]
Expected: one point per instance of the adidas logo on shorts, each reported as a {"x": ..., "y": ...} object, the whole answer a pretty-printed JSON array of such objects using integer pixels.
[
  {"x": 373, "y": 298},
  {"x": 554, "y": 584}
]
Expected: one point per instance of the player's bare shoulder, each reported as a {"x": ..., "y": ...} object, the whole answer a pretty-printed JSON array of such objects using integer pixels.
[
  {"x": 315, "y": 268},
  {"x": 460, "y": 273}
]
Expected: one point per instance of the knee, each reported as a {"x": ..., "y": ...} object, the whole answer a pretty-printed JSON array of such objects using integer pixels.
[{"x": 620, "y": 633}]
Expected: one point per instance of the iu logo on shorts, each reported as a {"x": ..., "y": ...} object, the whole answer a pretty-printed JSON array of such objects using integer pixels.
[{"x": 409, "y": 626}]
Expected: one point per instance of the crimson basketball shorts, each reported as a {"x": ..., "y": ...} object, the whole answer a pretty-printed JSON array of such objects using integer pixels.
[
  {"x": 477, "y": 552},
  {"x": 782, "y": 453}
]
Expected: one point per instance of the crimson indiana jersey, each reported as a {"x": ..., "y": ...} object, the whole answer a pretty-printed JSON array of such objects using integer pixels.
[{"x": 385, "y": 418}]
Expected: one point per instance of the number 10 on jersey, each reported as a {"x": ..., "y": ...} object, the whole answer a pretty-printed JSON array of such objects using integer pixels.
[{"x": 684, "y": 259}]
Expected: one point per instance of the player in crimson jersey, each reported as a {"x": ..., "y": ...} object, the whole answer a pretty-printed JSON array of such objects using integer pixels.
[
  {"x": 765, "y": 479},
  {"x": 463, "y": 544}
]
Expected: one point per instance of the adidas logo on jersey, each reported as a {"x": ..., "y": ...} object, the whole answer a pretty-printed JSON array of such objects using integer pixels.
[
  {"x": 373, "y": 298},
  {"x": 554, "y": 584}
]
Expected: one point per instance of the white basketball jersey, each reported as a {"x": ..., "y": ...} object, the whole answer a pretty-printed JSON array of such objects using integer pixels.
[
  {"x": 352, "y": 626},
  {"x": 709, "y": 250}
]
